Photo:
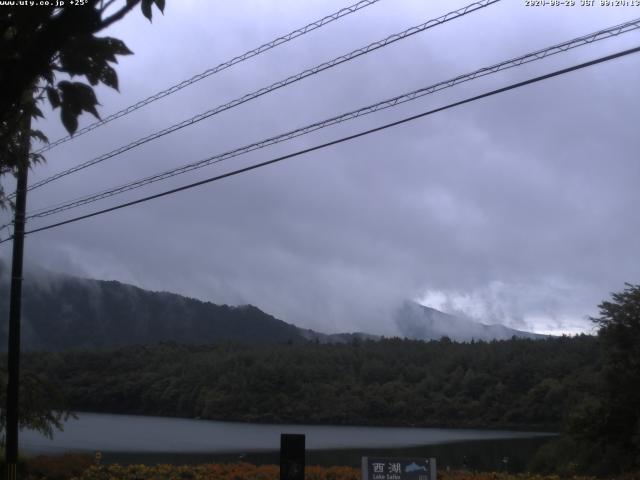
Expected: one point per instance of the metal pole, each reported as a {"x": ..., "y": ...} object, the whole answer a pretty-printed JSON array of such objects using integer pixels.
[{"x": 13, "y": 384}]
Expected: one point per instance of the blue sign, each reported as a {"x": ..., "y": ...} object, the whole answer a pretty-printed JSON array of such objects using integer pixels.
[{"x": 379, "y": 468}]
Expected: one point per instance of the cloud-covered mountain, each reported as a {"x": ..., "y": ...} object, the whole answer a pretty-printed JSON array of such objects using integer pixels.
[
  {"x": 424, "y": 323},
  {"x": 62, "y": 311}
]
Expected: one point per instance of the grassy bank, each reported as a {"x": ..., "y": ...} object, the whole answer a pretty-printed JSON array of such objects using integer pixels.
[
  {"x": 244, "y": 471},
  {"x": 80, "y": 467}
]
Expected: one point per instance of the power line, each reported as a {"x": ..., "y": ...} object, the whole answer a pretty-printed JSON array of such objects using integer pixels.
[
  {"x": 207, "y": 73},
  {"x": 340, "y": 140},
  {"x": 397, "y": 100},
  {"x": 277, "y": 85}
]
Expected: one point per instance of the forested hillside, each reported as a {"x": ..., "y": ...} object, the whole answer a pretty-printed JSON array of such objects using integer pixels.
[
  {"x": 523, "y": 384},
  {"x": 62, "y": 311}
]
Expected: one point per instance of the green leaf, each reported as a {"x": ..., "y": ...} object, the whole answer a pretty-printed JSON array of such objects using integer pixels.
[
  {"x": 146, "y": 8},
  {"x": 91, "y": 56},
  {"x": 36, "y": 112},
  {"x": 69, "y": 120},
  {"x": 70, "y": 100},
  {"x": 77, "y": 97},
  {"x": 87, "y": 98},
  {"x": 117, "y": 46},
  {"x": 160, "y": 4},
  {"x": 36, "y": 158},
  {"x": 27, "y": 97},
  {"x": 93, "y": 77},
  {"x": 39, "y": 135},
  {"x": 64, "y": 86},
  {"x": 109, "y": 77},
  {"x": 77, "y": 57},
  {"x": 54, "y": 97}
]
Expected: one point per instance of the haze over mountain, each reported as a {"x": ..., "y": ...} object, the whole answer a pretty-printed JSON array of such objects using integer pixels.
[
  {"x": 424, "y": 323},
  {"x": 62, "y": 311}
]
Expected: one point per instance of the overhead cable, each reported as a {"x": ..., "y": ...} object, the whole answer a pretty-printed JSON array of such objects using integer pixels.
[
  {"x": 207, "y": 73},
  {"x": 391, "y": 102},
  {"x": 338, "y": 141},
  {"x": 277, "y": 85}
]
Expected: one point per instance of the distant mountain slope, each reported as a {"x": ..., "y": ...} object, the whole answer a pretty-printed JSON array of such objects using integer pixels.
[
  {"x": 62, "y": 311},
  {"x": 418, "y": 322}
]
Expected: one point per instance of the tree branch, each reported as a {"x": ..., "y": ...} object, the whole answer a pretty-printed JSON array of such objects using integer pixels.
[
  {"x": 119, "y": 14},
  {"x": 103, "y": 7}
]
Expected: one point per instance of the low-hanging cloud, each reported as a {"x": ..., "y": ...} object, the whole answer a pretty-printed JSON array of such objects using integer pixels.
[{"x": 513, "y": 209}]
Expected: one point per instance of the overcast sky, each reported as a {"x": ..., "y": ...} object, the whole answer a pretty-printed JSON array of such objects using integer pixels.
[{"x": 517, "y": 209}]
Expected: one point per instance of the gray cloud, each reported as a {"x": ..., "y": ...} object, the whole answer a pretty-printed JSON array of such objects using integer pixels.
[{"x": 514, "y": 209}]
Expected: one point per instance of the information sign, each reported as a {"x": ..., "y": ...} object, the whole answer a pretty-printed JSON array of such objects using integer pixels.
[{"x": 379, "y": 468}]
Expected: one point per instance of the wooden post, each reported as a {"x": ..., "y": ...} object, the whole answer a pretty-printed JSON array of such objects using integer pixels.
[
  {"x": 292, "y": 456},
  {"x": 15, "y": 307}
]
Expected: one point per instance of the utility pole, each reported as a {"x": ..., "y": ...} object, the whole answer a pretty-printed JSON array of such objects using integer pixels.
[{"x": 15, "y": 305}]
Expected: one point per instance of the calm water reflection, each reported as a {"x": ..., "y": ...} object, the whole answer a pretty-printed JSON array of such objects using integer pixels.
[{"x": 129, "y": 439}]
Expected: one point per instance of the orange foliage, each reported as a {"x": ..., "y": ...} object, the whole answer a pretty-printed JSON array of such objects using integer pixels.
[
  {"x": 80, "y": 467},
  {"x": 246, "y": 471},
  {"x": 58, "y": 467}
]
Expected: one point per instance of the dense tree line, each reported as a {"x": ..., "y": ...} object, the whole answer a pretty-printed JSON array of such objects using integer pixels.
[
  {"x": 587, "y": 387},
  {"x": 524, "y": 384},
  {"x": 602, "y": 431}
]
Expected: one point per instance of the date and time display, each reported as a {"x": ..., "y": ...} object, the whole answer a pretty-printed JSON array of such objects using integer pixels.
[
  {"x": 526, "y": 3},
  {"x": 582, "y": 3}
]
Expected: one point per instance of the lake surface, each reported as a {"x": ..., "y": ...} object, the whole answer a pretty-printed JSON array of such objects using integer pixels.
[{"x": 127, "y": 438}]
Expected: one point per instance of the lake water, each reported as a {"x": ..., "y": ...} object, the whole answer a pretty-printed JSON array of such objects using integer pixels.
[{"x": 127, "y": 438}]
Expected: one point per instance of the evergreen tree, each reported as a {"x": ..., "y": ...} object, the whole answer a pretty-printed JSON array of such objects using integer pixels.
[{"x": 619, "y": 323}]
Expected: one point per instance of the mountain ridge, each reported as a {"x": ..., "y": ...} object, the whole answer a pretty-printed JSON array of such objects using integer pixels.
[
  {"x": 74, "y": 312},
  {"x": 420, "y": 322},
  {"x": 62, "y": 311}
]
